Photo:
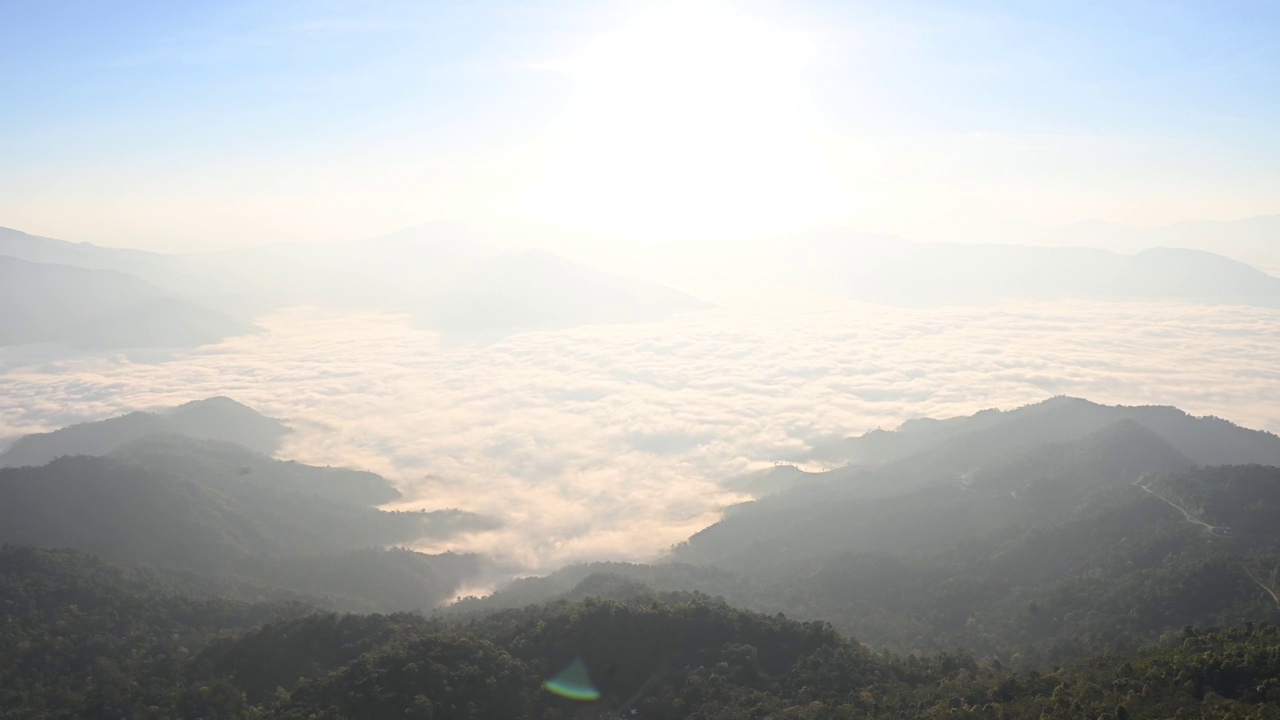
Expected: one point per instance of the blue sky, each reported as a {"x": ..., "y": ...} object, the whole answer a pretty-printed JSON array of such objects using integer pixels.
[{"x": 204, "y": 125}]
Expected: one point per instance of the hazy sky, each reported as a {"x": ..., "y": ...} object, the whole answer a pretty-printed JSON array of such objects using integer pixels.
[{"x": 188, "y": 126}]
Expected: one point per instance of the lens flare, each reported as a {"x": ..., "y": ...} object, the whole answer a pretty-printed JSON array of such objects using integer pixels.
[{"x": 573, "y": 682}]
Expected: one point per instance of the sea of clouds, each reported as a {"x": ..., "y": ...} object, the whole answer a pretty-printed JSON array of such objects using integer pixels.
[{"x": 610, "y": 442}]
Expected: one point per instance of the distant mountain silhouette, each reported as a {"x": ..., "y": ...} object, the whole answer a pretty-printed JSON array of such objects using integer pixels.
[
  {"x": 1254, "y": 240},
  {"x": 471, "y": 286},
  {"x": 926, "y": 274},
  {"x": 534, "y": 289},
  {"x": 895, "y": 271},
  {"x": 175, "y": 274},
  {"x": 86, "y": 308},
  {"x": 454, "y": 279},
  {"x": 219, "y": 418},
  {"x": 384, "y": 272}
]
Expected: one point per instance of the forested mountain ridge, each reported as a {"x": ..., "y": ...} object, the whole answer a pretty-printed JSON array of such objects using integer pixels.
[
  {"x": 1204, "y": 440},
  {"x": 231, "y": 466},
  {"x": 162, "y": 493},
  {"x": 130, "y": 513},
  {"x": 961, "y": 444},
  {"x": 934, "y": 498},
  {"x": 217, "y": 418},
  {"x": 1001, "y": 539}
]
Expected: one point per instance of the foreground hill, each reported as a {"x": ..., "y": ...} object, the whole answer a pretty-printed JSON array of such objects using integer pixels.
[
  {"x": 85, "y": 640},
  {"x": 82, "y": 638}
]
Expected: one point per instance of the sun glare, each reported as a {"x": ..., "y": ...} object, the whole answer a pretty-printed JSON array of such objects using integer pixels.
[{"x": 690, "y": 121}]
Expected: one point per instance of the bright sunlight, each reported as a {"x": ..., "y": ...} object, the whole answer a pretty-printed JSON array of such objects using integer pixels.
[{"x": 690, "y": 121}]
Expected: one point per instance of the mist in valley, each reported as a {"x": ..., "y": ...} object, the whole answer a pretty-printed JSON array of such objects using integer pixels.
[{"x": 614, "y": 441}]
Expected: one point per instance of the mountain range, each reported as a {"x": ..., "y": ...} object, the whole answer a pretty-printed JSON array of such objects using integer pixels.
[
  {"x": 471, "y": 286},
  {"x": 1063, "y": 559},
  {"x": 101, "y": 309},
  {"x": 1254, "y": 240},
  {"x": 1205, "y": 440},
  {"x": 449, "y": 278},
  {"x": 891, "y": 270}
]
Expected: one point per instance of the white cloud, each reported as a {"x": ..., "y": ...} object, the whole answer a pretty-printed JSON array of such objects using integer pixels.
[{"x": 608, "y": 442}]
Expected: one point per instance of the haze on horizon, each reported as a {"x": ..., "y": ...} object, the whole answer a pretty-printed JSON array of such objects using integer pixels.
[{"x": 185, "y": 128}]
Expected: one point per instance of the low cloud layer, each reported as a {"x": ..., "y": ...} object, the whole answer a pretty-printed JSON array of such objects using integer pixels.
[{"x": 609, "y": 442}]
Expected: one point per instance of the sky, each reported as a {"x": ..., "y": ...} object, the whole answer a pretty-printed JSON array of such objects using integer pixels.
[{"x": 199, "y": 126}]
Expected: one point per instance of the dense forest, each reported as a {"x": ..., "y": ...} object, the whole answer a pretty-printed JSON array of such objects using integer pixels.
[{"x": 84, "y": 639}]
